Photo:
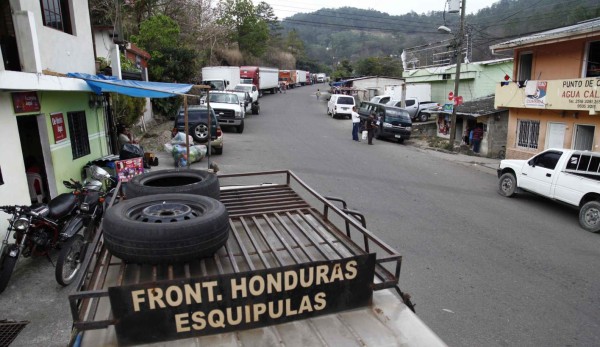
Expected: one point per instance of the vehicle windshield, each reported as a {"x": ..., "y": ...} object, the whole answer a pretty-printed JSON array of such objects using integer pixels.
[
  {"x": 246, "y": 80},
  {"x": 218, "y": 85},
  {"x": 224, "y": 98},
  {"x": 397, "y": 116},
  {"x": 241, "y": 96},
  {"x": 346, "y": 100}
]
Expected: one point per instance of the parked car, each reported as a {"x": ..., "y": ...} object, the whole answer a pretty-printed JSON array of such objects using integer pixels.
[
  {"x": 415, "y": 108},
  {"x": 198, "y": 126},
  {"x": 245, "y": 96},
  {"x": 228, "y": 108},
  {"x": 381, "y": 99},
  {"x": 393, "y": 122},
  {"x": 253, "y": 91},
  {"x": 340, "y": 104}
]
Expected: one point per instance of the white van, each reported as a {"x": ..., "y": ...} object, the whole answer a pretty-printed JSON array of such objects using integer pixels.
[{"x": 340, "y": 105}]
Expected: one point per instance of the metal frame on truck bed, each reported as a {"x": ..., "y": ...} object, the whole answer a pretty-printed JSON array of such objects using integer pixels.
[{"x": 274, "y": 225}]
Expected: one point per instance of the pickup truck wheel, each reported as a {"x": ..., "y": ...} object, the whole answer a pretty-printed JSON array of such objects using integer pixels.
[
  {"x": 240, "y": 128},
  {"x": 167, "y": 228},
  {"x": 200, "y": 132},
  {"x": 255, "y": 109},
  {"x": 589, "y": 216},
  {"x": 423, "y": 117},
  {"x": 507, "y": 185},
  {"x": 196, "y": 182}
]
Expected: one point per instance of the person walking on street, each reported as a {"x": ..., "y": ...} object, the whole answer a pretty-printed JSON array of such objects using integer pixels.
[
  {"x": 318, "y": 94},
  {"x": 355, "y": 124},
  {"x": 370, "y": 128},
  {"x": 477, "y": 137}
]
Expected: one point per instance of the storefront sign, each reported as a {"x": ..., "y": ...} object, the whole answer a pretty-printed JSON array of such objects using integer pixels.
[
  {"x": 58, "y": 127},
  {"x": 580, "y": 94},
  {"x": 535, "y": 94},
  {"x": 25, "y": 102},
  {"x": 176, "y": 309}
]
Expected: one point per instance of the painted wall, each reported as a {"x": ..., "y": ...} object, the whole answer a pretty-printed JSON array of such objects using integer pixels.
[
  {"x": 14, "y": 191},
  {"x": 59, "y": 51}
]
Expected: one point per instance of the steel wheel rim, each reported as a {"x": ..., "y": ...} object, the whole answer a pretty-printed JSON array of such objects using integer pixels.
[
  {"x": 506, "y": 185},
  {"x": 201, "y": 131},
  {"x": 165, "y": 212},
  {"x": 592, "y": 216}
]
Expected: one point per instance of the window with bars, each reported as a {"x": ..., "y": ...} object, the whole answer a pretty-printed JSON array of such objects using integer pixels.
[
  {"x": 528, "y": 132},
  {"x": 56, "y": 14},
  {"x": 80, "y": 142}
]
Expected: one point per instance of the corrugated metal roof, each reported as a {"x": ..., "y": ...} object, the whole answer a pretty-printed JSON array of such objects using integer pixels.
[
  {"x": 586, "y": 27},
  {"x": 475, "y": 108}
]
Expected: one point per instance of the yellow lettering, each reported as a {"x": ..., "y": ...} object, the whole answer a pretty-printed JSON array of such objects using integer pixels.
[
  {"x": 198, "y": 319},
  {"x": 337, "y": 274},
  {"x": 288, "y": 308},
  {"x": 322, "y": 271},
  {"x": 305, "y": 305},
  {"x": 274, "y": 283},
  {"x": 305, "y": 283},
  {"x": 256, "y": 285},
  {"x": 248, "y": 315},
  {"x": 181, "y": 320},
  {"x": 193, "y": 295},
  {"x": 351, "y": 269},
  {"x": 174, "y": 302},
  {"x": 258, "y": 310},
  {"x": 238, "y": 315},
  {"x": 211, "y": 289},
  {"x": 136, "y": 297},
  {"x": 155, "y": 298},
  {"x": 279, "y": 312},
  {"x": 216, "y": 319},
  {"x": 238, "y": 287},
  {"x": 291, "y": 280},
  {"x": 320, "y": 301}
]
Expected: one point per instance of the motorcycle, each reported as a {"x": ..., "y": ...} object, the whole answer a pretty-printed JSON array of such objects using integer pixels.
[{"x": 40, "y": 228}]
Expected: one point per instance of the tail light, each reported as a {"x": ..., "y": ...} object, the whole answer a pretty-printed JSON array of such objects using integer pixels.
[{"x": 219, "y": 132}]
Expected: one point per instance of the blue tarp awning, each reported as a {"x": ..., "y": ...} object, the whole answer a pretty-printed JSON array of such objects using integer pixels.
[
  {"x": 339, "y": 83},
  {"x": 110, "y": 84}
]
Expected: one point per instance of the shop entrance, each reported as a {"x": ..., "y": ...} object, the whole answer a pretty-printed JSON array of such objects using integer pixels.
[{"x": 33, "y": 156}]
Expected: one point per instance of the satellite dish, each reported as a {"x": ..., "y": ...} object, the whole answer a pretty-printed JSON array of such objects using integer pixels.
[{"x": 444, "y": 29}]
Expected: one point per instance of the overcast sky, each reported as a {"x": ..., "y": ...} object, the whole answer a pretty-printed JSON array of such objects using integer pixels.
[{"x": 286, "y": 8}]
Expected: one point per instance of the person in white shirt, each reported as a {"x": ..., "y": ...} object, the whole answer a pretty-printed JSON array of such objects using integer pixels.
[{"x": 355, "y": 124}]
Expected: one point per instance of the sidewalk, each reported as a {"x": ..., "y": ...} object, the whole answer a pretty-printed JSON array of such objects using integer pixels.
[{"x": 481, "y": 163}]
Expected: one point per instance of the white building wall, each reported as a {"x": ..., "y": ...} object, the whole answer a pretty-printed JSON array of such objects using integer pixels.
[
  {"x": 61, "y": 52},
  {"x": 14, "y": 191}
]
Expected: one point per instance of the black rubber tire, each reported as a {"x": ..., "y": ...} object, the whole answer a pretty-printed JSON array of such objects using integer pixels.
[
  {"x": 184, "y": 181},
  {"x": 400, "y": 140},
  {"x": 507, "y": 185},
  {"x": 167, "y": 228},
  {"x": 71, "y": 255},
  {"x": 423, "y": 117},
  {"x": 200, "y": 132},
  {"x": 255, "y": 109},
  {"x": 589, "y": 216},
  {"x": 7, "y": 265},
  {"x": 218, "y": 151},
  {"x": 240, "y": 128}
]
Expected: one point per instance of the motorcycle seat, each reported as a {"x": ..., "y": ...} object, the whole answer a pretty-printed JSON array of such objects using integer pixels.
[{"x": 62, "y": 205}]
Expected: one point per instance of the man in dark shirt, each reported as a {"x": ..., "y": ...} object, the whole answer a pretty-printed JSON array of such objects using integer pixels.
[{"x": 477, "y": 137}]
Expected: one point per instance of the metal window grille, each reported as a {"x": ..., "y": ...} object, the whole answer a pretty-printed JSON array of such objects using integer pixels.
[
  {"x": 80, "y": 142},
  {"x": 528, "y": 133},
  {"x": 52, "y": 14}
]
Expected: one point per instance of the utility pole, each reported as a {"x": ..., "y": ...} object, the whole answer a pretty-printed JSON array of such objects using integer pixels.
[{"x": 457, "y": 75}]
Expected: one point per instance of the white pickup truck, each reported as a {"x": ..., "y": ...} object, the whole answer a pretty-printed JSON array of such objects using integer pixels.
[{"x": 565, "y": 175}]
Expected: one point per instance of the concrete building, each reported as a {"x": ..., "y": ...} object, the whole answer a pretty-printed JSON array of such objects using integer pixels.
[
  {"x": 43, "y": 114},
  {"x": 553, "y": 96}
]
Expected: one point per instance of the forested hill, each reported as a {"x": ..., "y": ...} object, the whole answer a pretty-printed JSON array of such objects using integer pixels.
[{"x": 349, "y": 33}]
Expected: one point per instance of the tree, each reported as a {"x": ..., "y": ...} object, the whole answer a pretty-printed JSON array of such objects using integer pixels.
[
  {"x": 247, "y": 25},
  {"x": 379, "y": 66}
]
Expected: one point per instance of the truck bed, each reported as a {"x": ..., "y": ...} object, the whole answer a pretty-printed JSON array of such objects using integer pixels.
[{"x": 272, "y": 225}]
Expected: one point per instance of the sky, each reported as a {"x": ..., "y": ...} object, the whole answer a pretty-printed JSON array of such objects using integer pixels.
[{"x": 286, "y": 8}]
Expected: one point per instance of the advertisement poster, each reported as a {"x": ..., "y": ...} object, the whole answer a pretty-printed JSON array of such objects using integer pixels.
[
  {"x": 25, "y": 102},
  {"x": 58, "y": 127},
  {"x": 128, "y": 168},
  {"x": 535, "y": 94}
]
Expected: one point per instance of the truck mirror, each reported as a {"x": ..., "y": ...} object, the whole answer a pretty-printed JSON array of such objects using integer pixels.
[{"x": 531, "y": 163}]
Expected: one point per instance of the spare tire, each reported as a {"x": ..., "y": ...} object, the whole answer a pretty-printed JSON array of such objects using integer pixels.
[
  {"x": 186, "y": 181},
  {"x": 166, "y": 228}
]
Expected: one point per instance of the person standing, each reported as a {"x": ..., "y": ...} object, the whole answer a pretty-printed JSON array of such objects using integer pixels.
[
  {"x": 370, "y": 128},
  {"x": 477, "y": 137},
  {"x": 355, "y": 124},
  {"x": 318, "y": 94}
]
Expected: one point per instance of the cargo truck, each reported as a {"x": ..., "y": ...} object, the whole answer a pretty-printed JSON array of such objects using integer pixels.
[
  {"x": 300, "y": 77},
  {"x": 298, "y": 269},
  {"x": 266, "y": 79},
  {"x": 288, "y": 78},
  {"x": 221, "y": 77}
]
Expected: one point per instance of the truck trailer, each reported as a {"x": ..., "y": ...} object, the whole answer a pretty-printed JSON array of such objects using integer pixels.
[
  {"x": 266, "y": 79},
  {"x": 300, "y": 77},
  {"x": 221, "y": 77},
  {"x": 288, "y": 78}
]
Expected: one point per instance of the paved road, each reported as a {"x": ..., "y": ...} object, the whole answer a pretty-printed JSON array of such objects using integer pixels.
[{"x": 484, "y": 270}]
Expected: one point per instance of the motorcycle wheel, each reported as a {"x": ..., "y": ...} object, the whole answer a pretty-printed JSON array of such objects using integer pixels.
[
  {"x": 7, "y": 265},
  {"x": 69, "y": 260}
]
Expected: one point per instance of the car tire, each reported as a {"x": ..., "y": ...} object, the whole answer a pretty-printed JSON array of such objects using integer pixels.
[
  {"x": 186, "y": 181},
  {"x": 240, "y": 128},
  {"x": 255, "y": 109},
  {"x": 400, "y": 140},
  {"x": 589, "y": 216},
  {"x": 423, "y": 117},
  {"x": 507, "y": 185},
  {"x": 200, "y": 132},
  {"x": 166, "y": 228}
]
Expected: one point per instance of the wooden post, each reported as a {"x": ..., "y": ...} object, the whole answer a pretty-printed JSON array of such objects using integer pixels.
[{"x": 187, "y": 130}]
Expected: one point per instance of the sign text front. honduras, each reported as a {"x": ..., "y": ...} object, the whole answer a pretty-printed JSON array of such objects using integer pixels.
[{"x": 176, "y": 309}]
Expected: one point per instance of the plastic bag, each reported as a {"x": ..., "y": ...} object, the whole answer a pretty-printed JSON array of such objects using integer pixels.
[
  {"x": 130, "y": 151},
  {"x": 364, "y": 134},
  {"x": 180, "y": 139},
  {"x": 179, "y": 153}
]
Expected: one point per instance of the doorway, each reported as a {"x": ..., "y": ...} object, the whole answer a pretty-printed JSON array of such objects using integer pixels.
[
  {"x": 556, "y": 135},
  {"x": 584, "y": 137},
  {"x": 31, "y": 146}
]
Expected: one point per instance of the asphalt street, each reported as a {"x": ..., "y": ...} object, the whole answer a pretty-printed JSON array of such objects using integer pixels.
[{"x": 483, "y": 270}]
